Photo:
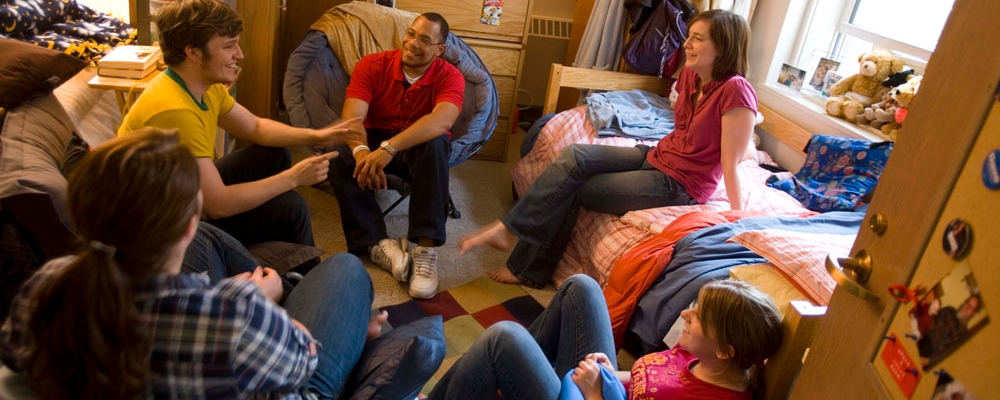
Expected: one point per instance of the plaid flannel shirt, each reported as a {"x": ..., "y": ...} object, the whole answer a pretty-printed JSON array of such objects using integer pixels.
[{"x": 223, "y": 341}]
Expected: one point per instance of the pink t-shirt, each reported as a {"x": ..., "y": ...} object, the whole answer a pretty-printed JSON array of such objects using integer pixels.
[
  {"x": 667, "y": 375},
  {"x": 691, "y": 153}
]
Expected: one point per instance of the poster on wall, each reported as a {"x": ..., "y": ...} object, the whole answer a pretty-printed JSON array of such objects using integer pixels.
[
  {"x": 492, "y": 9},
  {"x": 947, "y": 315}
]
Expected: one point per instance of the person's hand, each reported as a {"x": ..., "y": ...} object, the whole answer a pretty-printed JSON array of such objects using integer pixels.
[
  {"x": 370, "y": 171},
  {"x": 312, "y": 170},
  {"x": 603, "y": 360},
  {"x": 587, "y": 376},
  {"x": 267, "y": 280},
  {"x": 346, "y": 131},
  {"x": 375, "y": 325}
]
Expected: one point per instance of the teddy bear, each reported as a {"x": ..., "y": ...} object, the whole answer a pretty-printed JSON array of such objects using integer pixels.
[
  {"x": 903, "y": 96},
  {"x": 883, "y": 112},
  {"x": 850, "y": 96}
]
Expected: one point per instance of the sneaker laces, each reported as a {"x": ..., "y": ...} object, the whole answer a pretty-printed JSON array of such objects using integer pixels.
[
  {"x": 380, "y": 255},
  {"x": 424, "y": 262}
]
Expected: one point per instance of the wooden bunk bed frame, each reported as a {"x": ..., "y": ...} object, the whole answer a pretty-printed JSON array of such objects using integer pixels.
[{"x": 802, "y": 318}]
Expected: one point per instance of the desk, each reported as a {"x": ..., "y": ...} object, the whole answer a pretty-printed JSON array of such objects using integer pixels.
[{"x": 126, "y": 90}]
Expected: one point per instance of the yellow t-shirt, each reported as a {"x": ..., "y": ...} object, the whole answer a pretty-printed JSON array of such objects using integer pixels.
[{"x": 167, "y": 103}]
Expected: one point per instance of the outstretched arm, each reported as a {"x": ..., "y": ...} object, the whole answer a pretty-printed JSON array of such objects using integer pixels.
[
  {"x": 223, "y": 201},
  {"x": 267, "y": 132},
  {"x": 737, "y": 127}
]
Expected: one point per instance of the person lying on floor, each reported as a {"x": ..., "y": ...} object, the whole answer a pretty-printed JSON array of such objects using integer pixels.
[
  {"x": 727, "y": 336},
  {"x": 714, "y": 120},
  {"x": 119, "y": 319}
]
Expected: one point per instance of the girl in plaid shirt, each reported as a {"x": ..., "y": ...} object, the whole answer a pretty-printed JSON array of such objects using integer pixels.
[{"x": 119, "y": 319}]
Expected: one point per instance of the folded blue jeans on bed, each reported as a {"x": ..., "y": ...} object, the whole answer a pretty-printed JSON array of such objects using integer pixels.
[{"x": 635, "y": 113}]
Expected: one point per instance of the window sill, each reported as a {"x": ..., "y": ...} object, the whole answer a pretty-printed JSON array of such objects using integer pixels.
[{"x": 807, "y": 111}]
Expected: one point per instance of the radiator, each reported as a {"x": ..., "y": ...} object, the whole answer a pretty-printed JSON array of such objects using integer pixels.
[{"x": 556, "y": 28}]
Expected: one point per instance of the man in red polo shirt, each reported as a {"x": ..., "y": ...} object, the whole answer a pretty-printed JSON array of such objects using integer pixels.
[{"x": 409, "y": 99}]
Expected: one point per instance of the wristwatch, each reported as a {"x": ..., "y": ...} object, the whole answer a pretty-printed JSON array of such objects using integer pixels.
[{"x": 388, "y": 148}]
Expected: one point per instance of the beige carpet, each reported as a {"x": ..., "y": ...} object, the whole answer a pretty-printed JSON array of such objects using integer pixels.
[{"x": 481, "y": 191}]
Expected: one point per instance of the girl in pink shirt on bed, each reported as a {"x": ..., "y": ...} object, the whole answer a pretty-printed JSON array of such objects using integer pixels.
[{"x": 713, "y": 120}]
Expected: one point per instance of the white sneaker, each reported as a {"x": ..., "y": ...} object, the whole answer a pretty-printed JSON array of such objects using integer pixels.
[
  {"x": 392, "y": 255},
  {"x": 425, "y": 279}
]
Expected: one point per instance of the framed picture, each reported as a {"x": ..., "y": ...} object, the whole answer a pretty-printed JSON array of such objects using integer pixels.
[
  {"x": 831, "y": 78},
  {"x": 825, "y": 65},
  {"x": 791, "y": 76}
]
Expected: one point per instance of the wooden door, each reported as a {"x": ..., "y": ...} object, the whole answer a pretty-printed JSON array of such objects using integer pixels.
[
  {"x": 945, "y": 121},
  {"x": 257, "y": 88}
]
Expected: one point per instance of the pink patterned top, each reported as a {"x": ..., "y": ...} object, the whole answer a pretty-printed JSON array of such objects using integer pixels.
[{"x": 667, "y": 375}]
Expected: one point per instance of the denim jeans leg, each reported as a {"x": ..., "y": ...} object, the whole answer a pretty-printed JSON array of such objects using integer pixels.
[
  {"x": 215, "y": 252},
  {"x": 428, "y": 174},
  {"x": 539, "y": 213},
  {"x": 575, "y": 323},
  {"x": 360, "y": 214},
  {"x": 505, "y": 358},
  {"x": 621, "y": 192},
  {"x": 534, "y": 263},
  {"x": 283, "y": 218},
  {"x": 334, "y": 302},
  {"x": 253, "y": 163}
]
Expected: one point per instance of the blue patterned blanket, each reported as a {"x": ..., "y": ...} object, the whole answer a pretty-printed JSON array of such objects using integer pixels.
[{"x": 63, "y": 25}]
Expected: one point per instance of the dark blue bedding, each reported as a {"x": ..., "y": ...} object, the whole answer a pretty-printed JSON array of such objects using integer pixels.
[
  {"x": 64, "y": 25},
  {"x": 704, "y": 256}
]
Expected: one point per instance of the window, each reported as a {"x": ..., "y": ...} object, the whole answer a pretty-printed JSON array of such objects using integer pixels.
[
  {"x": 802, "y": 32},
  {"x": 841, "y": 30}
]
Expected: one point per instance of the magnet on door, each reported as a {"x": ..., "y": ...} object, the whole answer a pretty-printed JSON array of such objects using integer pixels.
[
  {"x": 957, "y": 239},
  {"x": 991, "y": 170}
]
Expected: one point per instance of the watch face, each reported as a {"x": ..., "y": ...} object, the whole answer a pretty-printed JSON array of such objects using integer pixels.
[{"x": 388, "y": 148}]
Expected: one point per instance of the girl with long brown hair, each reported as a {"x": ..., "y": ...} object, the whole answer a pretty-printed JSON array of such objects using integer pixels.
[{"x": 120, "y": 320}]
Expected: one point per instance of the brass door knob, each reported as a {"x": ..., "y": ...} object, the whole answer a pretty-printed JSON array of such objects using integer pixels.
[{"x": 852, "y": 273}]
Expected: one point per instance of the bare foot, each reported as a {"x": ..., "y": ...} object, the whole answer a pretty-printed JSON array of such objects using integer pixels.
[
  {"x": 495, "y": 234},
  {"x": 375, "y": 324},
  {"x": 503, "y": 275}
]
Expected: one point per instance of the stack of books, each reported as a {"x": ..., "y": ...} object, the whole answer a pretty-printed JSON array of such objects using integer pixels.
[{"x": 129, "y": 61}]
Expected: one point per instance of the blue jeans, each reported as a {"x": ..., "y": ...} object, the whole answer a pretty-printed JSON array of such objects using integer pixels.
[
  {"x": 606, "y": 179},
  {"x": 425, "y": 166},
  {"x": 528, "y": 364},
  {"x": 217, "y": 253},
  {"x": 284, "y": 218},
  {"x": 334, "y": 302}
]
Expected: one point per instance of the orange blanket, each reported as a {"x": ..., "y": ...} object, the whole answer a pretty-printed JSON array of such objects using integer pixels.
[{"x": 635, "y": 271}]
